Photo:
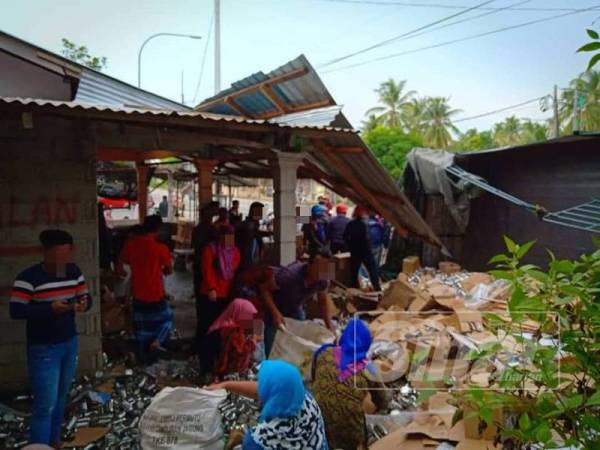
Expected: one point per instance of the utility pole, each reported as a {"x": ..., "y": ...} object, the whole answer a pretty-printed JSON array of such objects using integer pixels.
[
  {"x": 556, "y": 123},
  {"x": 575, "y": 107},
  {"x": 182, "y": 96},
  {"x": 217, "y": 46}
]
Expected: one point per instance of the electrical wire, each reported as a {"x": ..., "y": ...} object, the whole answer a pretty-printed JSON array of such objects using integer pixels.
[
  {"x": 468, "y": 19},
  {"x": 496, "y": 111},
  {"x": 438, "y": 5},
  {"x": 467, "y": 38},
  {"x": 208, "y": 34},
  {"x": 403, "y": 35}
]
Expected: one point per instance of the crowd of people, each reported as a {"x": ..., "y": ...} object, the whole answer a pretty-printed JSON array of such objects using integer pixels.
[{"x": 241, "y": 303}]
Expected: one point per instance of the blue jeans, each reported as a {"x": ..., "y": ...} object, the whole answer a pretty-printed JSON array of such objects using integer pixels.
[
  {"x": 51, "y": 371},
  {"x": 271, "y": 329}
]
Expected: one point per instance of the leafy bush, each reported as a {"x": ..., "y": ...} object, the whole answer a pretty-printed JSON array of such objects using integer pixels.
[{"x": 548, "y": 393}]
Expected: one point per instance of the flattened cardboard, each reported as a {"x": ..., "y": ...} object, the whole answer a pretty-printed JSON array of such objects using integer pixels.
[
  {"x": 87, "y": 435},
  {"x": 429, "y": 428},
  {"x": 476, "y": 278}
]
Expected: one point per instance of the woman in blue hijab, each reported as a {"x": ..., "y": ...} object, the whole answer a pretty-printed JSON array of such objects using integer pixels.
[
  {"x": 342, "y": 378},
  {"x": 290, "y": 417}
]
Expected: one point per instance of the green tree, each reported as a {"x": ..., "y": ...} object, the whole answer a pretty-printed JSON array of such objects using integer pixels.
[
  {"x": 369, "y": 124},
  {"x": 587, "y": 86},
  {"x": 81, "y": 55},
  {"x": 437, "y": 126},
  {"x": 473, "y": 140},
  {"x": 508, "y": 133},
  {"x": 390, "y": 146},
  {"x": 413, "y": 115},
  {"x": 533, "y": 132},
  {"x": 393, "y": 100}
]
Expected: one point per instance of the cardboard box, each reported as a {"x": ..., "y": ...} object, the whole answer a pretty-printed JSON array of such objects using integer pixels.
[
  {"x": 410, "y": 265},
  {"x": 449, "y": 267},
  {"x": 400, "y": 293}
]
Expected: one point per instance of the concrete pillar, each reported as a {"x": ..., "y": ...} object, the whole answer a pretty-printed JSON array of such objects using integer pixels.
[
  {"x": 285, "y": 168},
  {"x": 142, "y": 189},
  {"x": 205, "y": 169}
]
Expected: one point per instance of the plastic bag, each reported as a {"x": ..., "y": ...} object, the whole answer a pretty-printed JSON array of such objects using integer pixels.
[
  {"x": 297, "y": 343},
  {"x": 183, "y": 418}
]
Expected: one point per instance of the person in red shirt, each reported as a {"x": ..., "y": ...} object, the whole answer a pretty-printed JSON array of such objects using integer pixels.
[
  {"x": 220, "y": 261},
  {"x": 149, "y": 260}
]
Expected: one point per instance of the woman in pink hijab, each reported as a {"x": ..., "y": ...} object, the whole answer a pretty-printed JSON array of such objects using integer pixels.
[{"x": 230, "y": 342}]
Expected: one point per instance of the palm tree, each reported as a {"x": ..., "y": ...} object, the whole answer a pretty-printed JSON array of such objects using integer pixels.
[
  {"x": 437, "y": 123},
  {"x": 370, "y": 124},
  {"x": 413, "y": 115},
  {"x": 533, "y": 132},
  {"x": 508, "y": 133},
  {"x": 393, "y": 101},
  {"x": 588, "y": 87}
]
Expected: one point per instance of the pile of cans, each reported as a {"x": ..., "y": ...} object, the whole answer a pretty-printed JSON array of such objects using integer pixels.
[
  {"x": 454, "y": 280},
  {"x": 88, "y": 406}
]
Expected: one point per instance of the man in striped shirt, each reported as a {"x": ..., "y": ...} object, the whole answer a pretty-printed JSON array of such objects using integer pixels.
[{"x": 48, "y": 295}]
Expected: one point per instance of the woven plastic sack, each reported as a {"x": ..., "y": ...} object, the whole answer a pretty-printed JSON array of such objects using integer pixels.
[
  {"x": 183, "y": 418},
  {"x": 297, "y": 343}
]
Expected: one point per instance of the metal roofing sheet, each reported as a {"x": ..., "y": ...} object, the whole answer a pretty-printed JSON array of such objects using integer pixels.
[
  {"x": 301, "y": 91},
  {"x": 97, "y": 88},
  {"x": 321, "y": 117},
  {"x": 162, "y": 112}
]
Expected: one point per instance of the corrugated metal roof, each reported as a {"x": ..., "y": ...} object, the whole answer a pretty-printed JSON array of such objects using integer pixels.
[
  {"x": 304, "y": 90},
  {"x": 315, "y": 117},
  {"x": 98, "y": 89},
  {"x": 162, "y": 112},
  {"x": 386, "y": 198},
  {"x": 93, "y": 87}
]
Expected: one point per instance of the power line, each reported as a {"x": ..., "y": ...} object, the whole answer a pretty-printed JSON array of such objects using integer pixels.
[
  {"x": 496, "y": 111},
  {"x": 467, "y": 38},
  {"x": 468, "y": 19},
  {"x": 438, "y": 5},
  {"x": 408, "y": 33},
  {"x": 207, "y": 42}
]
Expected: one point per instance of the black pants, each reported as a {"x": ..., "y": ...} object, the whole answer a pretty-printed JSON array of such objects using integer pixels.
[
  {"x": 206, "y": 313},
  {"x": 338, "y": 248},
  {"x": 371, "y": 266}
]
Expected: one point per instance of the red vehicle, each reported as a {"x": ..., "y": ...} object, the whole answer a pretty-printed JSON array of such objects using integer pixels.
[{"x": 114, "y": 203}]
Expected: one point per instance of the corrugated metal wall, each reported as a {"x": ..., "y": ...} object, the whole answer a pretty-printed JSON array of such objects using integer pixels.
[{"x": 557, "y": 176}]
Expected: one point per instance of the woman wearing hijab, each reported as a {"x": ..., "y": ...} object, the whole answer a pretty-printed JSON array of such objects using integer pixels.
[
  {"x": 220, "y": 260},
  {"x": 230, "y": 343},
  {"x": 342, "y": 377},
  {"x": 290, "y": 417}
]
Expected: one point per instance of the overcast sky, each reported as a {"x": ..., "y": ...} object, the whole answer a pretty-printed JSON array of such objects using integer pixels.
[{"x": 478, "y": 75}]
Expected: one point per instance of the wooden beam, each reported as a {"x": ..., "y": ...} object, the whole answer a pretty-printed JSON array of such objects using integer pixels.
[
  {"x": 274, "y": 98},
  {"x": 230, "y": 101},
  {"x": 120, "y": 154},
  {"x": 338, "y": 186},
  {"x": 248, "y": 90},
  {"x": 297, "y": 108},
  {"x": 179, "y": 142}
]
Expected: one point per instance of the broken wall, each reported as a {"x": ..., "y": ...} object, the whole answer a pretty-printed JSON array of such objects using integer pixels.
[{"x": 47, "y": 180}]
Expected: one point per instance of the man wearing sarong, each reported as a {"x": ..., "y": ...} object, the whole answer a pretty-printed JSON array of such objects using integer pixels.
[{"x": 149, "y": 260}]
